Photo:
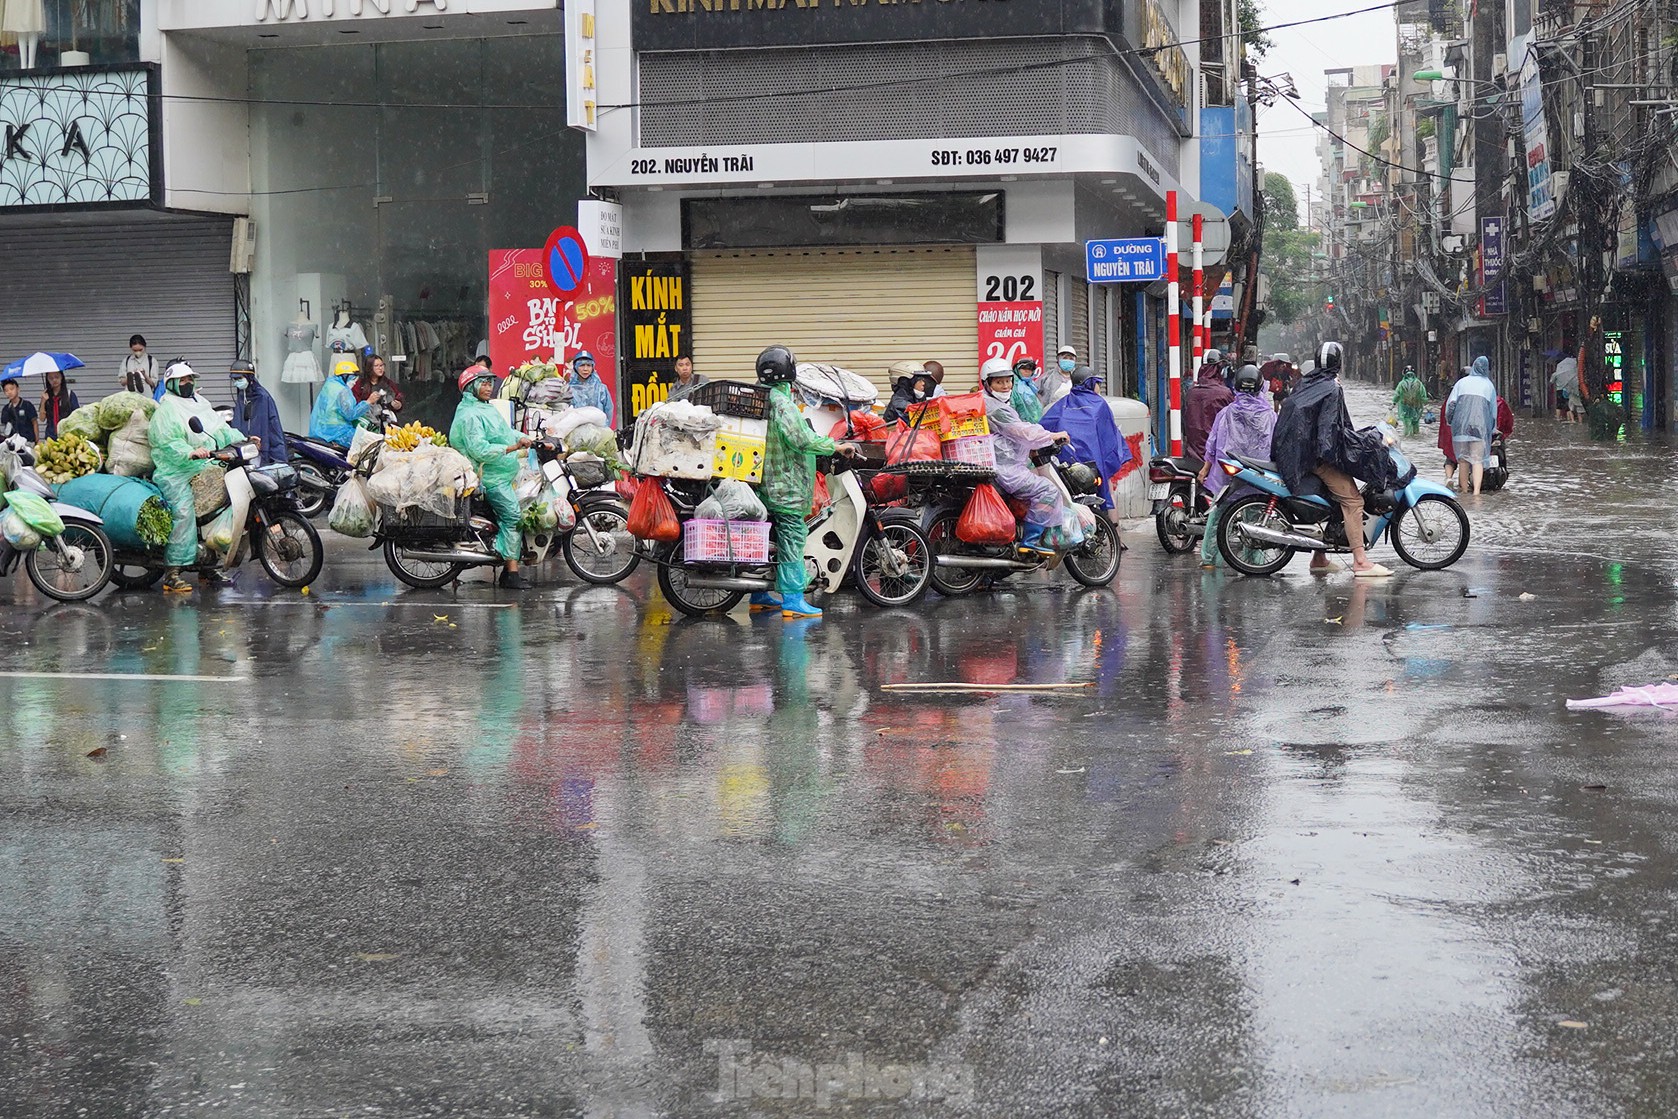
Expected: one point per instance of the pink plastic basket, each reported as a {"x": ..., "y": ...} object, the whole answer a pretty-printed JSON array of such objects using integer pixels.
[
  {"x": 976, "y": 449},
  {"x": 726, "y": 541}
]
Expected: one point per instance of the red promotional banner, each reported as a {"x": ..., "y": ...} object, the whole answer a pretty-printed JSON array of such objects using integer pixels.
[
  {"x": 1011, "y": 331},
  {"x": 527, "y": 321}
]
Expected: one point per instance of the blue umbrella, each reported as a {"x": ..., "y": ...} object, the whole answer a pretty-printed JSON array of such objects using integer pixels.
[{"x": 39, "y": 364}]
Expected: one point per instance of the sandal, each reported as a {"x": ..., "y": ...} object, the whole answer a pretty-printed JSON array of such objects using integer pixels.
[{"x": 174, "y": 584}]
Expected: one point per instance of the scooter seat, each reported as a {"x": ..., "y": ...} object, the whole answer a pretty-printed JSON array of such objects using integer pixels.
[
  {"x": 1186, "y": 464},
  {"x": 1257, "y": 463}
]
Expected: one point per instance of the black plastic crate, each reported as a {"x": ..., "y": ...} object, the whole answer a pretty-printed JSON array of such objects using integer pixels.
[
  {"x": 745, "y": 400},
  {"x": 413, "y": 517}
]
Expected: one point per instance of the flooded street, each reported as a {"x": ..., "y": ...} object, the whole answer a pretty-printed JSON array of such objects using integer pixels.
[{"x": 1302, "y": 847}]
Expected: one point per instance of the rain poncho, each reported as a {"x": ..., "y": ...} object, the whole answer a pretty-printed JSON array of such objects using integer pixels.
[
  {"x": 172, "y": 443},
  {"x": 1312, "y": 429},
  {"x": 1014, "y": 439},
  {"x": 256, "y": 414},
  {"x": 1409, "y": 398},
  {"x": 482, "y": 434},
  {"x": 1471, "y": 411},
  {"x": 903, "y": 395},
  {"x": 1087, "y": 417},
  {"x": 1566, "y": 377},
  {"x": 1051, "y": 385},
  {"x": 1244, "y": 428},
  {"x": 1027, "y": 404},
  {"x": 593, "y": 393},
  {"x": 336, "y": 412},
  {"x": 1210, "y": 397},
  {"x": 789, "y": 483}
]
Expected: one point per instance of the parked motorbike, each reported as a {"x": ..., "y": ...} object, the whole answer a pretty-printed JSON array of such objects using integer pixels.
[
  {"x": 266, "y": 522},
  {"x": 323, "y": 466},
  {"x": 1180, "y": 502},
  {"x": 882, "y": 549},
  {"x": 940, "y": 491},
  {"x": 73, "y": 566},
  {"x": 1497, "y": 473},
  {"x": 1260, "y": 532}
]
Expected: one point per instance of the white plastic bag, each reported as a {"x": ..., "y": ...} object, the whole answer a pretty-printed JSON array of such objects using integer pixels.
[
  {"x": 733, "y": 500},
  {"x": 219, "y": 533},
  {"x": 131, "y": 448},
  {"x": 352, "y": 514},
  {"x": 17, "y": 532},
  {"x": 362, "y": 441}
]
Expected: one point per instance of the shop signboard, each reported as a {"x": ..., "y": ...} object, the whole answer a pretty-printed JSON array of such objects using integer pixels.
[
  {"x": 81, "y": 139},
  {"x": 1494, "y": 299},
  {"x": 184, "y": 15},
  {"x": 1011, "y": 331},
  {"x": 530, "y": 322},
  {"x": 657, "y": 323},
  {"x": 582, "y": 92},
  {"x": 1541, "y": 201}
]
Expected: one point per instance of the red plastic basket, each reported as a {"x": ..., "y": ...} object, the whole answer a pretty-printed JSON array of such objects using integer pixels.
[{"x": 708, "y": 541}]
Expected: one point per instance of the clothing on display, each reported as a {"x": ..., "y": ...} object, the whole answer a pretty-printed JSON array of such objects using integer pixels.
[
  {"x": 350, "y": 333},
  {"x": 301, "y": 365},
  {"x": 23, "y": 16}
]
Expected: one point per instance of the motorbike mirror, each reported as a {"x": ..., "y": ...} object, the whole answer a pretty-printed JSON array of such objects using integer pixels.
[{"x": 196, "y": 424}]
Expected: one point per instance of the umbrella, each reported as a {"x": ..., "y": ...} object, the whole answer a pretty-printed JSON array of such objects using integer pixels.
[{"x": 38, "y": 364}]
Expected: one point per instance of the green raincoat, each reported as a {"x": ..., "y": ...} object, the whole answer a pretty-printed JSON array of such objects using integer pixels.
[
  {"x": 789, "y": 483},
  {"x": 1409, "y": 398},
  {"x": 483, "y": 435},
  {"x": 174, "y": 468}
]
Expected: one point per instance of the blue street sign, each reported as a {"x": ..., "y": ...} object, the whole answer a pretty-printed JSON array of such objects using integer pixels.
[{"x": 1131, "y": 260}]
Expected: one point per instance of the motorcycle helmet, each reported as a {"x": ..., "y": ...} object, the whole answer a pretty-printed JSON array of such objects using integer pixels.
[
  {"x": 239, "y": 367},
  {"x": 470, "y": 374},
  {"x": 177, "y": 372},
  {"x": 997, "y": 368},
  {"x": 776, "y": 366},
  {"x": 1027, "y": 364},
  {"x": 1212, "y": 357},
  {"x": 1247, "y": 379},
  {"x": 346, "y": 367},
  {"x": 1081, "y": 478},
  {"x": 1329, "y": 357}
]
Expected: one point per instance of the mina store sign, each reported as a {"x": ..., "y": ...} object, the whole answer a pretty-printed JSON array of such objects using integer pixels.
[{"x": 285, "y": 10}]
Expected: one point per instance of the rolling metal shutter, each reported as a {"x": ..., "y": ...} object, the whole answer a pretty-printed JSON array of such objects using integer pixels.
[
  {"x": 1051, "y": 314},
  {"x": 861, "y": 309},
  {"x": 84, "y": 288},
  {"x": 1078, "y": 319}
]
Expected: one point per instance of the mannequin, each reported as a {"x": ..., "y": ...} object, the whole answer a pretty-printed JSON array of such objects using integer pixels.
[
  {"x": 301, "y": 365},
  {"x": 27, "y": 19}
]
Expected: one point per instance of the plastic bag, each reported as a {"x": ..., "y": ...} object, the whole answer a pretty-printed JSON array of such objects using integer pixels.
[
  {"x": 352, "y": 513},
  {"x": 652, "y": 517},
  {"x": 986, "y": 519},
  {"x": 1086, "y": 518},
  {"x": 595, "y": 439},
  {"x": 362, "y": 441},
  {"x": 865, "y": 427},
  {"x": 528, "y": 486},
  {"x": 431, "y": 478},
  {"x": 84, "y": 422},
  {"x": 219, "y": 533},
  {"x": 908, "y": 444},
  {"x": 36, "y": 512},
  {"x": 559, "y": 516},
  {"x": 627, "y": 487},
  {"x": 1064, "y": 535},
  {"x": 739, "y": 501},
  {"x": 888, "y": 487},
  {"x": 130, "y": 454},
  {"x": 573, "y": 418},
  {"x": 115, "y": 411},
  {"x": 17, "y": 533}
]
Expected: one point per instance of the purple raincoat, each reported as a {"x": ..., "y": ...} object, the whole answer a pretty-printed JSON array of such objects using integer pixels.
[{"x": 1243, "y": 428}]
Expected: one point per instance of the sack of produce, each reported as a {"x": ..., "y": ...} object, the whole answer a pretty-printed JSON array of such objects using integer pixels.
[
  {"x": 573, "y": 418},
  {"x": 17, "y": 532},
  {"x": 130, "y": 448},
  {"x": 114, "y": 412},
  {"x": 135, "y": 515},
  {"x": 352, "y": 512},
  {"x": 986, "y": 519},
  {"x": 219, "y": 533},
  {"x": 66, "y": 457},
  {"x": 595, "y": 439},
  {"x": 733, "y": 500},
  {"x": 361, "y": 442},
  {"x": 209, "y": 490},
  {"x": 36, "y": 512},
  {"x": 430, "y": 478},
  {"x": 652, "y": 517},
  {"x": 82, "y": 422}
]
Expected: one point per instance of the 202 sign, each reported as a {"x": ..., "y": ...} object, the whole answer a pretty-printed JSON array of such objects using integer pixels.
[{"x": 1010, "y": 289}]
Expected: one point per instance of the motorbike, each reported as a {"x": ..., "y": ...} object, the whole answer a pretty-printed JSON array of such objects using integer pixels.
[
  {"x": 940, "y": 491},
  {"x": 426, "y": 551},
  {"x": 1179, "y": 501},
  {"x": 266, "y": 522},
  {"x": 73, "y": 566},
  {"x": 322, "y": 467},
  {"x": 1260, "y": 532},
  {"x": 882, "y": 549},
  {"x": 1497, "y": 472}
]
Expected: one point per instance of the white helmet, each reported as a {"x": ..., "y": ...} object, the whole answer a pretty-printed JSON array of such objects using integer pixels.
[
  {"x": 1213, "y": 355},
  {"x": 996, "y": 367}
]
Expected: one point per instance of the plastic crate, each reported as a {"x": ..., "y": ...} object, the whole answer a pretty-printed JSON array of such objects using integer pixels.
[
  {"x": 708, "y": 541},
  {"x": 413, "y": 517},
  {"x": 740, "y": 449},
  {"x": 980, "y": 450},
  {"x": 744, "y": 399}
]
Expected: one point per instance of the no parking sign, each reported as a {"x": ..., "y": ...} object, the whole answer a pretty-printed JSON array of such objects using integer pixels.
[{"x": 565, "y": 260}]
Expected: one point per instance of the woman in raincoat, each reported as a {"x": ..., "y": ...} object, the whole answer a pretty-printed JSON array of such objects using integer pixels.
[
  {"x": 1243, "y": 428},
  {"x": 1014, "y": 439},
  {"x": 1472, "y": 414},
  {"x": 179, "y": 454},
  {"x": 1024, "y": 396},
  {"x": 336, "y": 410},
  {"x": 1086, "y": 416},
  {"x": 1409, "y": 398},
  {"x": 482, "y": 434}
]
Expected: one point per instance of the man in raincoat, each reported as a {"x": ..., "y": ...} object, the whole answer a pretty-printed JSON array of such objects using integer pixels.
[
  {"x": 482, "y": 434},
  {"x": 1409, "y": 398},
  {"x": 1244, "y": 428},
  {"x": 588, "y": 390},
  {"x": 1014, "y": 439},
  {"x": 255, "y": 412},
  {"x": 789, "y": 482},
  {"x": 179, "y": 455},
  {"x": 1210, "y": 397},
  {"x": 1471, "y": 410},
  {"x": 337, "y": 411},
  {"x": 1085, "y": 415}
]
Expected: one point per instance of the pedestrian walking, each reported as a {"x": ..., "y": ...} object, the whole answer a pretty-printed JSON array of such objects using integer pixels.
[
  {"x": 1245, "y": 427},
  {"x": 1409, "y": 398},
  {"x": 138, "y": 371},
  {"x": 1566, "y": 382},
  {"x": 57, "y": 401},
  {"x": 1471, "y": 411}
]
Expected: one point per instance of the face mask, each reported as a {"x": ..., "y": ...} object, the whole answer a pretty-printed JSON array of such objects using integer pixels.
[
  {"x": 1067, "y": 365},
  {"x": 240, "y": 384},
  {"x": 182, "y": 388},
  {"x": 1026, "y": 375},
  {"x": 918, "y": 394}
]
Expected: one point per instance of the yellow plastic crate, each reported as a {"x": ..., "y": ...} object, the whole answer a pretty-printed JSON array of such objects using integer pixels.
[{"x": 740, "y": 456}]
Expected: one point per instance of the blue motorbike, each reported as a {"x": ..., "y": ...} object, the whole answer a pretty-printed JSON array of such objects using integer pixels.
[{"x": 1262, "y": 528}]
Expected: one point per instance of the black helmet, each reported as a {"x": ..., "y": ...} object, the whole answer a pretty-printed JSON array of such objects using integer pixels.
[
  {"x": 1025, "y": 361},
  {"x": 1247, "y": 379},
  {"x": 239, "y": 367},
  {"x": 1328, "y": 358},
  {"x": 776, "y": 365},
  {"x": 1081, "y": 478}
]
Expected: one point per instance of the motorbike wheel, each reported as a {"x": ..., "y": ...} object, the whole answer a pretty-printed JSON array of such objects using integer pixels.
[
  {"x": 1169, "y": 524},
  {"x": 1431, "y": 534},
  {"x": 950, "y": 581},
  {"x": 133, "y": 577},
  {"x": 1250, "y": 559},
  {"x": 424, "y": 575},
  {"x": 73, "y": 566},
  {"x": 312, "y": 502},
  {"x": 289, "y": 549},
  {"x": 894, "y": 566},
  {"x": 1096, "y": 564},
  {"x": 690, "y": 600},
  {"x": 601, "y": 568}
]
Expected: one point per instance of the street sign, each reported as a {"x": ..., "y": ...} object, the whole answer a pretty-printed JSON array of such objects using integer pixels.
[
  {"x": 1130, "y": 260},
  {"x": 565, "y": 260},
  {"x": 1214, "y": 233}
]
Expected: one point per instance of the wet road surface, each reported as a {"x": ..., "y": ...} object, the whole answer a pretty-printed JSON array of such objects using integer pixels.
[{"x": 1304, "y": 847}]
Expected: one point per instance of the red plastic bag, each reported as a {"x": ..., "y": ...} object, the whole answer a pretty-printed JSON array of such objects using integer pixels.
[
  {"x": 823, "y": 497},
  {"x": 888, "y": 487},
  {"x": 908, "y": 444},
  {"x": 986, "y": 520},
  {"x": 652, "y": 517},
  {"x": 626, "y": 487},
  {"x": 865, "y": 427}
]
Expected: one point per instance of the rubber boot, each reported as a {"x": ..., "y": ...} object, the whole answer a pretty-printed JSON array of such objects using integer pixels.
[
  {"x": 794, "y": 606},
  {"x": 763, "y": 600},
  {"x": 1033, "y": 542}
]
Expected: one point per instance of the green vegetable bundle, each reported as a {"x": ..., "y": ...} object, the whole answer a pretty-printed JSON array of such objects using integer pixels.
[
  {"x": 83, "y": 423},
  {"x": 155, "y": 522},
  {"x": 113, "y": 411}
]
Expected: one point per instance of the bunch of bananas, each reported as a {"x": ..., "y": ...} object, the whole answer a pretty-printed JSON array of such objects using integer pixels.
[
  {"x": 64, "y": 458},
  {"x": 410, "y": 436}
]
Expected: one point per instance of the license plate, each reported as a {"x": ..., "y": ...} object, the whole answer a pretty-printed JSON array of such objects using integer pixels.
[
  {"x": 1159, "y": 491},
  {"x": 1496, "y": 462}
]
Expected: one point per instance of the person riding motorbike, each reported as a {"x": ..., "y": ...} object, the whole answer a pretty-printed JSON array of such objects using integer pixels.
[
  {"x": 336, "y": 410},
  {"x": 1210, "y": 397},
  {"x": 1024, "y": 393},
  {"x": 482, "y": 434},
  {"x": 255, "y": 412},
  {"x": 1243, "y": 428},
  {"x": 1014, "y": 439},
  {"x": 1085, "y": 416},
  {"x": 180, "y": 454}
]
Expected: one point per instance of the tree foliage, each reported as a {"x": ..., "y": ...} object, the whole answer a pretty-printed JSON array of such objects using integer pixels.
[
  {"x": 1281, "y": 205},
  {"x": 1286, "y": 256},
  {"x": 1251, "y": 16}
]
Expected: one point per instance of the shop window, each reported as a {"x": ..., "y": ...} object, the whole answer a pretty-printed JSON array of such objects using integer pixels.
[
  {"x": 107, "y": 31},
  {"x": 967, "y": 218}
]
